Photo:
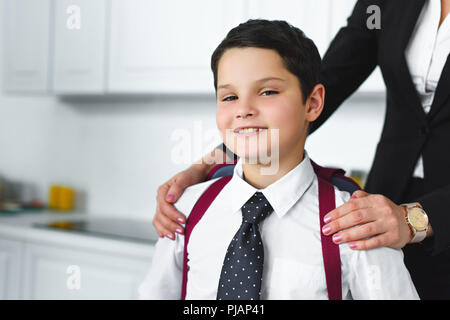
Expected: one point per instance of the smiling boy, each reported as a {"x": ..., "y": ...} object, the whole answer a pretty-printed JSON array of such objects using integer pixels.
[
  {"x": 270, "y": 99},
  {"x": 260, "y": 237}
]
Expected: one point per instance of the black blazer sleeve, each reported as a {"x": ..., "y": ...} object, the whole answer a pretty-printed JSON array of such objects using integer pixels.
[
  {"x": 349, "y": 60},
  {"x": 435, "y": 205}
]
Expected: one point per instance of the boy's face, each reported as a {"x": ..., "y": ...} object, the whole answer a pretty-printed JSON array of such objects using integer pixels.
[{"x": 255, "y": 90}]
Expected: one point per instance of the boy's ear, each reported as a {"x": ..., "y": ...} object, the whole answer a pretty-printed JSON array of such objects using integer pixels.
[{"x": 315, "y": 103}]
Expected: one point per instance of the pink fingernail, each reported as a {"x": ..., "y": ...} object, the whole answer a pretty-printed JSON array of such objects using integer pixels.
[
  {"x": 327, "y": 219},
  {"x": 179, "y": 231},
  {"x": 353, "y": 197},
  {"x": 326, "y": 230},
  {"x": 170, "y": 197},
  {"x": 180, "y": 220},
  {"x": 353, "y": 245},
  {"x": 169, "y": 236},
  {"x": 337, "y": 238}
]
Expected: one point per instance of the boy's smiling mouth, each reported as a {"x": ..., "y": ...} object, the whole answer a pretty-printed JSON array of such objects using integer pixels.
[{"x": 249, "y": 130}]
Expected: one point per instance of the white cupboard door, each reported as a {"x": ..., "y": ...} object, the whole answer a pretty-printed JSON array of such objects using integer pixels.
[
  {"x": 27, "y": 29},
  {"x": 66, "y": 273},
  {"x": 79, "y": 46},
  {"x": 311, "y": 16},
  {"x": 341, "y": 10},
  {"x": 10, "y": 269},
  {"x": 165, "y": 46}
]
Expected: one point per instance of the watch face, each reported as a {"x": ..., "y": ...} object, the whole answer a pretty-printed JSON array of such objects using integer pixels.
[{"x": 418, "y": 218}]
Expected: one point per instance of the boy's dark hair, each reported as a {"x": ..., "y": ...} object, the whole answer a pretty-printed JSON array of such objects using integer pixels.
[{"x": 298, "y": 52}]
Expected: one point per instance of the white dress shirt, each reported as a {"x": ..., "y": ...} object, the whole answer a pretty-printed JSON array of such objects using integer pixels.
[
  {"x": 426, "y": 55},
  {"x": 293, "y": 263}
]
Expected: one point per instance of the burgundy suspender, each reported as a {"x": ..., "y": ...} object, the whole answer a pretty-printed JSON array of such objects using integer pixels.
[
  {"x": 197, "y": 212},
  {"x": 330, "y": 251}
]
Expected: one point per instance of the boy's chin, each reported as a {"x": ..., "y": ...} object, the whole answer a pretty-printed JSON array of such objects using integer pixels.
[{"x": 255, "y": 157}]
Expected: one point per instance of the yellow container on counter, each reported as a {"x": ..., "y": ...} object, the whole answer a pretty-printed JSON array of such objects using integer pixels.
[
  {"x": 61, "y": 198},
  {"x": 53, "y": 196}
]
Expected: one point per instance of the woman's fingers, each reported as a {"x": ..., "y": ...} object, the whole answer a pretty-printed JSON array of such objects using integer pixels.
[
  {"x": 367, "y": 222},
  {"x": 357, "y": 233},
  {"x": 165, "y": 226},
  {"x": 358, "y": 200},
  {"x": 175, "y": 190},
  {"x": 365, "y": 208},
  {"x": 347, "y": 215},
  {"x": 167, "y": 209},
  {"x": 351, "y": 219},
  {"x": 162, "y": 232},
  {"x": 181, "y": 181},
  {"x": 166, "y": 217},
  {"x": 360, "y": 194},
  {"x": 378, "y": 241},
  {"x": 170, "y": 217}
]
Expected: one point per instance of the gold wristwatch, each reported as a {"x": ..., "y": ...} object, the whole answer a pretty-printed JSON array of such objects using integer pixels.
[{"x": 417, "y": 220}]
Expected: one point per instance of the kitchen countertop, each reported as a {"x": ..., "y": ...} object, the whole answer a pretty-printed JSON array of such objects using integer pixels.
[{"x": 21, "y": 227}]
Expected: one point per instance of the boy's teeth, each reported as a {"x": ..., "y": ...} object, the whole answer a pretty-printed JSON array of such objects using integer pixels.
[{"x": 247, "y": 130}]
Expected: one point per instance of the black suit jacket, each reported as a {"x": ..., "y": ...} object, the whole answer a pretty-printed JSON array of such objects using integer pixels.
[{"x": 408, "y": 131}]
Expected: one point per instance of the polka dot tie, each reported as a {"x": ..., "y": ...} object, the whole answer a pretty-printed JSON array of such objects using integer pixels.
[{"x": 242, "y": 268}]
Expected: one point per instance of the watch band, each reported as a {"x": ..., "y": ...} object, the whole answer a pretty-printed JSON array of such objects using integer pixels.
[{"x": 418, "y": 236}]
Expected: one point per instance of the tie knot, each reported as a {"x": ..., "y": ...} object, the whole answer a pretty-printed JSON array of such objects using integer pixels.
[{"x": 256, "y": 209}]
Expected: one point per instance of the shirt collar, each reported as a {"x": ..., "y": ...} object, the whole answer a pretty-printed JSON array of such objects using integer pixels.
[{"x": 282, "y": 194}]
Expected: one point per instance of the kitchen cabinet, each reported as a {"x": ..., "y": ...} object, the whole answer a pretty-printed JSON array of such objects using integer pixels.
[
  {"x": 80, "y": 46},
  {"x": 10, "y": 268},
  {"x": 27, "y": 45},
  {"x": 52, "y": 272},
  {"x": 41, "y": 263},
  {"x": 141, "y": 46},
  {"x": 166, "y": 46}
]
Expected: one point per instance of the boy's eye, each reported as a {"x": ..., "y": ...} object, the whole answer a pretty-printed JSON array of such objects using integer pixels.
[
  {"x": 229, "y": 98},
  {"x": 269, "y": 92}
]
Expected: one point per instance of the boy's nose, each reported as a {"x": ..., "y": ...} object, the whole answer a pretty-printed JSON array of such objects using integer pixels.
[
  {"x": 241, "y": 114},
  {"x": 245, "y": 110}
]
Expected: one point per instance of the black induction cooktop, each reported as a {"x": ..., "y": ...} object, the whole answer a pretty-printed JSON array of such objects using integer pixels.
[{"x": 125, "y": 229}]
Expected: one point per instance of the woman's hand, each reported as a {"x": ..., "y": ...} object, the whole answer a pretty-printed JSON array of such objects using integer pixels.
[
  {"x": 373, "y": 216},
  {"x": 167, "y": 219}
]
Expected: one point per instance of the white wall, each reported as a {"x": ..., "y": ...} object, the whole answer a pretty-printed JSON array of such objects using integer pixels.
[
  {"x": 349, "y": 138},
  {"x": 117, "y": 150}
]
